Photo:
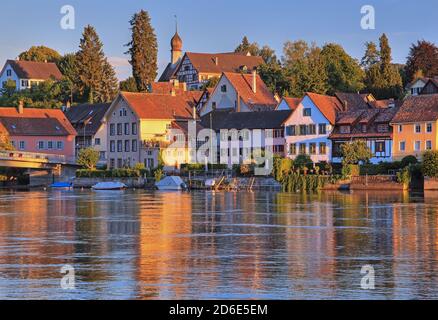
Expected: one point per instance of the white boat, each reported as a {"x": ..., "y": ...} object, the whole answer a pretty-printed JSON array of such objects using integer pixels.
[
  {"x": 171, "y": 183},
  {"x": 109, "y": 186}
]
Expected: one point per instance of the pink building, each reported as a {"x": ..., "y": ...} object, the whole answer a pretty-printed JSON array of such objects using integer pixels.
[{"x": 38, "y": 130}]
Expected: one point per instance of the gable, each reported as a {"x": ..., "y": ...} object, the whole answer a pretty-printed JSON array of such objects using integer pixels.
[{"x": 297, "y": 117}]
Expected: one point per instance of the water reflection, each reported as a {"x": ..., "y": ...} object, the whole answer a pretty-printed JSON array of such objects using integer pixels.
[{"x": 139, "y": 245}]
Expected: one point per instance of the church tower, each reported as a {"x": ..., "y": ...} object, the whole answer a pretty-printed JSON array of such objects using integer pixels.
[{"x": 176, "y": 45}]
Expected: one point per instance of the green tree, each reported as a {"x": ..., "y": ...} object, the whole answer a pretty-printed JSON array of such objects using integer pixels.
[
  {"x": 304, "y": 68},
  {"x": 88, "y": 158},
  {"x": 211, "y": 83},
  {"x": 9, "y": 88},
  {"x": 355, "y": 152},
  {"x": 344, "y": 72},
  {"x": 128, "y": 85},
  {"x": 67, "y": 64},
  {"x": 96, "y": 77},
  {"x": 430, "y": 164},
  {"x": 423, "y": 57},
  {"x": 143, "y": 49},
  {"x": 5, "y": 143},
  {"x": 371, "y": 56},
  {"x": 40, "y": 54}
]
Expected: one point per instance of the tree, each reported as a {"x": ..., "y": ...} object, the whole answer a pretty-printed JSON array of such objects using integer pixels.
[
  {"x": 371, "y": 56},
  {"x": 143, "y": 49},
  {"x": 430, "y": 164},
  {"x": 40, "y": 54},
  {"x": 128, "y": 85},
  {"x": 344, "y": 72},
  {"x": 5, "y": 143},
  {"x": 88, "y": 158},
  {"x": 304, "y": 68},
  {"x": 67, "y": 64},
  {"x": 245, "y": 46},
  {"x": 211, "y": 83},
  {"x": 382, "y": 78},
  {"x": 355, "y": 152},
  {"x": 423, "y": 57},
  {"x": 96, "y": 77},
  {"x": 9, "y": 88}
]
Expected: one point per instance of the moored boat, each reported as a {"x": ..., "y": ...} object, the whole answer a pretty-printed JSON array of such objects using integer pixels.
[
  {"x": 171, "y": 183},
  {"x": 109, "y": 186},
  {"x": 62, "y": 185}
]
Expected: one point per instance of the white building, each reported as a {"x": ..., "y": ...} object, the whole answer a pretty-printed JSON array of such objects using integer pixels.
[
  {"x": 308, "y": 128},
  {"x": 27, "y": 74}
]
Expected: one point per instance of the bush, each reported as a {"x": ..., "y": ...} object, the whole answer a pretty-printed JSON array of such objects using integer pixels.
[
  {"x": 302, "y": 161},
  {"x": 408, "y": 160},
  {"x": 88, "y": 158},
  {"x": 115, "y": 173},
  {"x": 158, "y": 175},
  {"x": 281, "y": 167},
  {"x": 350, "y": 170},
  {"x": 404, "y": 176},
  {"x": 430, "y": 164},
  {"x": 383, "y": 168}
]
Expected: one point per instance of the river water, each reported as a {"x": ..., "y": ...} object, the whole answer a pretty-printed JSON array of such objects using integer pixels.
[{"x": 205, "y": 245}]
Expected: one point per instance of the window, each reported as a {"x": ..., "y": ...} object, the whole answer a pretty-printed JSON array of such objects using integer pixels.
[
  {"x": 311, "y": 129},
  {"x": 50, "y": 145},
  {"x": 417, "y": 145},
  {"x": 112, "y": 146},
  {"x": 400, "y": 128},
  {"x": 322, "y": 148},
  {"x": 102, "y": 155},
  {"x": 364, "y": 128},
  {"x": 293, "y": 149},
  {"x": 40, "y": 145},
  {"x": 127, "y": 129},
  {"x": 25, "y": 83},
  {"x": 119, "y": 163},
  {"x": 150, "y": 163},
  {"x": 382, "y": 128},
  {"x": 302, "y": 148},
  {"x": 429, "y": 128},
  {"x": 344, "y": 129},
  {"x": 119, "y": 146},
  {"x": 428, "y": 145},
  {"x": 9, "y": 73},
  {"x": 402, "y": 146},
  {"x": 312, "y": 148},
  {"x": 112, "y": 129},
  {"x": 379, "y": 146},
  {"x": 22, "y": 145},
  {"x": 112, "y": 163},
  {"x": 60, "y": 145},
  {"x": 213, "y": 105},
  {"x": 303, "y": 130},
  {"x": 418, "y": 128},
  {"x": 291, "y": 130},
  {"x": 119, "y": 129},
  {"x": 97, "y": 141},
  {"x": 307, "y": 112},
  {"x": 127, "y": 145},
  {"x": 322, "y": 128},
  {"x": 134, "y": 128},
  {"x": 224, "y": 88},
  {"x": 134, "y": 146}
]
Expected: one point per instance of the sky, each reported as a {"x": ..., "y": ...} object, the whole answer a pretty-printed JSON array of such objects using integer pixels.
[{"x": 216, "y": 26}]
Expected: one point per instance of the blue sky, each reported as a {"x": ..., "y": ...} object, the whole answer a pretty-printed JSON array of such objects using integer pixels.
[{"x": 217, "y": 26}]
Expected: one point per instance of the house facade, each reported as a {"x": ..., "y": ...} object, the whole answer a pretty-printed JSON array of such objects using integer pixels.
[
  {"x": 239, "y": 135},
  {"x": 415, "y": 126},
  {"x": 416, "y": 86},
  {"x": 92, "y": 132},
  {"x": 26, "y": 74},
  {"x": 308, "y": 128},
  {"x": 371, "y": 126},
  {"x": 45, "y": 131},
  {"x": 240, "y": 93}
]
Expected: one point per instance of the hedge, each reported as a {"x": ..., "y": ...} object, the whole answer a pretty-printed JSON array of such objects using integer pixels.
[{"x": 115, "y": 173}]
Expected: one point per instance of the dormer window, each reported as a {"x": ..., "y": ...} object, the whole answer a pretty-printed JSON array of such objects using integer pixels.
[
  {"x": 307, "y": 112},
  {"x": 9, "y": 73},
  {"x": 224, "y": 88},
  {"x": 382, "y": 128},
  {"x": 364, "y": 128}
]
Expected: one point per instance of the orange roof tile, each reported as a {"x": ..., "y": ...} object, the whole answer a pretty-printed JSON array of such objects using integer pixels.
[
  {"x": 293, "y": 103},
  {"x": 158, "y": 106},
  {"x": 35, "y": 70},
  {"x": 329, "y": 106}
]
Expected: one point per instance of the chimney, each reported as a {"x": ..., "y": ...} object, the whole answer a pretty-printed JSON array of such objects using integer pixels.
[
  {"x": 184, "y": 86},
  {"x": 216, "y": 61},
  {"x": 194, "y": 113},
  {"x": 20, "y": 107},
  {"x": 254, "y": 80},
  {"x": 345, "y": 105},
  {"x": 173, "y": 92}
]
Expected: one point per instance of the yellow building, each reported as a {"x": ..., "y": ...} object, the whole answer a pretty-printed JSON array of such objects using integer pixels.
[
  {"x": 140, "y": 127},
  {"x": 415, "y": 127}
]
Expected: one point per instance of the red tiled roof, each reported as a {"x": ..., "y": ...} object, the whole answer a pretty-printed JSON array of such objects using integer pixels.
[
  {"x": 417, "y": 109},
  {"x": 242, "y": 83},
  {"x": 353, "y": 100},
  {"x": 35, "y": 70},
  {"x": 158, "y": 106},
  {"x": 329, "y": 106},
  {"x": 227, "y": 62},
  {"x": 36, "y": 122}
]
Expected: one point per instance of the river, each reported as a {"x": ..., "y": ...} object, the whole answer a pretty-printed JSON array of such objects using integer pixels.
[{"x": 205, "y": 245}]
